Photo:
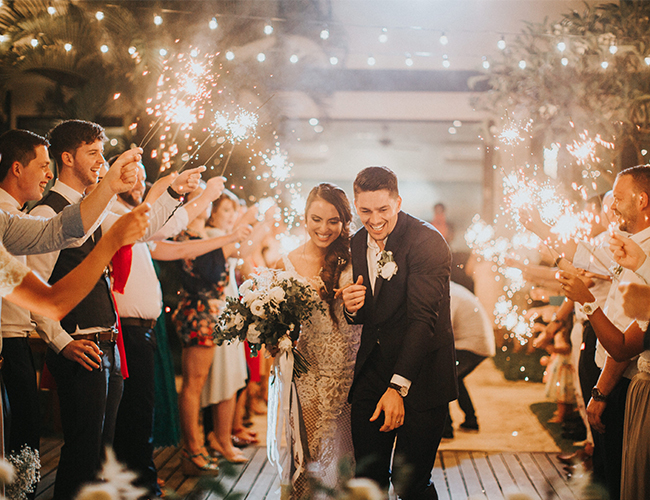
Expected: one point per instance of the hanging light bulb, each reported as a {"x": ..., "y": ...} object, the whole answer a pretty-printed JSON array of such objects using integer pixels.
[
  {"x": 163, "y": 52},
  {"x": 647, "y": 61},
  {"x": 501, "y": 44},
  {"x": 230, "y": 55},
  {"x": 325, "y": 33},
  {"x": 522, "y": 64},
  {"x": 564, "y": 61},
  {"x": 613, "y": 49},
  {"x": 261, "y": 57},
  {"x": 104, "y": 48},
  {"x": 335, "y": 60},
  {"x": 268, "y": 29},
  {"x": 408, "y": 61},
  {"x": 371, "y": 61},
  {"x": 132, "y": 50},
  {"x": 34, "y": 42},
  {"x": 68, "y": 47},
  {"x": 604, "y": 64},
  {"x": 486, "y": 63},
  {"x": 99, "y": 15},
  {"x": 3, "y": 38},
  {"x": 157, "y": 20},
  {"x": 51, "y": 10},
  {"x": 293, "y": 59},
  {"x": 213, "y": 24},
  {"x": 443, "y": 39},
  {"x": 383, "y": 38}
]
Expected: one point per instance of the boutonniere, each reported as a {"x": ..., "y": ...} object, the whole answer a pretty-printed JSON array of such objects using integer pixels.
[{"x": 386, "y": 267}]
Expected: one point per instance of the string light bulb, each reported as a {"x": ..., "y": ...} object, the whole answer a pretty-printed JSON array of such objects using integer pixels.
[
  {"x": 501, "y": 44},
  {"x": 371, "y": 61},
  {"x": 230, "y": 55},
  {"x": 132, "y": 50},
  {"x": 443, "y": 39},
  {"x": 383, "y": 37},
  {"x": 99, "y": 15},
  {"x": 604, "y": 64},
  {"x": 163, "y": 52},
  {"x": 213, "y": 24},
  {"x": 104, "y": 48},
  {"x": 564, "y": 61},
  {"x": 68, "y": 47},
  {"x": 261, "y": 57},
  {"x": 335, "y": 60},
  {"x": 561, "y": 46},
  {"x": 613, "y": 49},
  {"x": 486, "y": 63},
  {"x": 51, "y": 10},
  {"x": 445, "y": 61},
  {"x": 325, "y": 34},
  {"x": 268, "y": 28},
  {"x": 647, "y": 60},
  {"x": 34, "y": 42},
  {"x": 522, "y": 64},
  {"x": 408, "y": 61},
  {"x": 3, "y": 38},
  {"x": 157, "y": 20},
  {"x": 293, "y": 59}
]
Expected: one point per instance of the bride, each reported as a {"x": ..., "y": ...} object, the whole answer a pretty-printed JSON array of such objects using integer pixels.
[{"x": 328, "y": 343}]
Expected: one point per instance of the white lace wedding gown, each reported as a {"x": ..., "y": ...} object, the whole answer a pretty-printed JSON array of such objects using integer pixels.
[{"x": 324, "y": 412}]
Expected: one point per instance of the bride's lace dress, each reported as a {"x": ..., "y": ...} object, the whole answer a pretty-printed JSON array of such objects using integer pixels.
[{"x": 324, "y": 412}]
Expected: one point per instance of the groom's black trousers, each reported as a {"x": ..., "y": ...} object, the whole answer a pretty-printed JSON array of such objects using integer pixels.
[{"x": 417, "y": 439}]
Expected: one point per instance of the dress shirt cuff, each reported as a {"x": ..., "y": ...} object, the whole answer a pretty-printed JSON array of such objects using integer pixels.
[
  {"x": 348, "y": 314},
  {"x": 401, "y": 381},
  {"x": 73, "y": 226},
  {"x": 644, "y": 271}
]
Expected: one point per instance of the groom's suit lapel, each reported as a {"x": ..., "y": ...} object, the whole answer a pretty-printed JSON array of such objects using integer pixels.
[{"x": 391, "y": 246}]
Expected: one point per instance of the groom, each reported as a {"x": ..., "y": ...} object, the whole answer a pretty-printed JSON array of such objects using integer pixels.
[{"x": 405, "y": 373}]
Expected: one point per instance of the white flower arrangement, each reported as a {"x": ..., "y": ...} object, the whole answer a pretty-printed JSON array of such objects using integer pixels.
[
  {"x": 386, "y": 266},
  {"x": 269, "y": 310}
]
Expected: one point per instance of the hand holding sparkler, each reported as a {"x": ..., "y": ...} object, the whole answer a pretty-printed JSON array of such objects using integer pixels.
[
  {"x": 532, "y": 220},
  {"x": 636, "y": 300},
  {"x": 124, "y": 172},
  {"x": 214, "y": 187},
  {"x": 627, "y": 252},
  {"x": 575, "y": 287},
  {"x": 188, "y": 181}
]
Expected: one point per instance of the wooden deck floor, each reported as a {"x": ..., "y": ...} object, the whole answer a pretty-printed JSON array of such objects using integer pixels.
[{"x": 457, "y": 475}]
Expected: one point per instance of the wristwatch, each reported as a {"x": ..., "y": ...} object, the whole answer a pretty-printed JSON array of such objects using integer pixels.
[
  {"x": 590, "y": 307},
  {"x": 401, "y": 390},
  {"x": 596, "y": 395}
]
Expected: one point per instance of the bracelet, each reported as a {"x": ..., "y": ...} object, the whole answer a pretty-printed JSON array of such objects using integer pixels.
[{"x": 174, "y": 194}]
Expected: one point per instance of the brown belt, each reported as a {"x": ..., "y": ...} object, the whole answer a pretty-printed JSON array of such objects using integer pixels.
[
  {"x": 105, "y": 336},
  {"x": 142, "y": 323}
]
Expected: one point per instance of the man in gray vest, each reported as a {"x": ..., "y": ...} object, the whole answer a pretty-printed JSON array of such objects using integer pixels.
[{"x": 89, "y": 397}]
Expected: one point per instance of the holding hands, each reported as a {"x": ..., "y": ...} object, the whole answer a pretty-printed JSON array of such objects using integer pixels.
[
  {"x": 575, "y": 287},
  {"x": 354, "y": 295}
]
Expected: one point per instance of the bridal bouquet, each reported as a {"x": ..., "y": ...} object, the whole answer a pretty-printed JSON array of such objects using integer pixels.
[{"x": 269, "y": 310}]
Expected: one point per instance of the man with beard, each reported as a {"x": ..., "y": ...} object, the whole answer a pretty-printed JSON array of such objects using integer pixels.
[{"x": 606, "y": 409}]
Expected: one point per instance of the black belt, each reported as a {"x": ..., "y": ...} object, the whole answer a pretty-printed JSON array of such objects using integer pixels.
[
  {"x": 104, "y": 336},
  {"x": 143, "y": 323}
]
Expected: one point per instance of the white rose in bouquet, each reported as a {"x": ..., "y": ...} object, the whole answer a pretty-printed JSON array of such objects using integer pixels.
[
  {"x": 257, "y": 308},
  {"x": 253, "y": 334},
  {"x": 245, "y": 287},
  {"x": 285, "y": 344},
  {"x": 250, "y": 296},
  {"x": 388, "y": 270},
  {"x": 276, "y": 294}
]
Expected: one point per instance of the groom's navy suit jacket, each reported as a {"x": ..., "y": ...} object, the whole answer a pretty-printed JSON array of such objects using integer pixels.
[{"x": 409, "y": 315}]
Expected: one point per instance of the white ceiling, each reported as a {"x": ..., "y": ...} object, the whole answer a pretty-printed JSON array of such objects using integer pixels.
[{"x": 414, "y": 27}]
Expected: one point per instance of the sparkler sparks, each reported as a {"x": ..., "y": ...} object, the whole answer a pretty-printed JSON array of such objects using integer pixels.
[
  {"x": 240, "y": 127},
  {"x": 511, "y": 133}
]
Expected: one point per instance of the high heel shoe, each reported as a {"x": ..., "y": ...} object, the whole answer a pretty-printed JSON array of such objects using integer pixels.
[{"x": 190, "y": 467}]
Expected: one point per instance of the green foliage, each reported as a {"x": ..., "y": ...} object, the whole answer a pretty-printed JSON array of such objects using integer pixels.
[{"x": 563, "y": 100}]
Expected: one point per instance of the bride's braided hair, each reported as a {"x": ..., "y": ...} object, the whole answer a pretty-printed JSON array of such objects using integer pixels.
[{"x": 338, "y": 253}]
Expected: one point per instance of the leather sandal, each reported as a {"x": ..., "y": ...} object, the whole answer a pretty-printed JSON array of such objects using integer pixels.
[{"x": 190, "y": 467}]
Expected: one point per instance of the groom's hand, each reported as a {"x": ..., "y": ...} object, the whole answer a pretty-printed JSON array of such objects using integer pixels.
[
  {"x": 354, "y": 296},
  {"x": 392, "y": 404}
]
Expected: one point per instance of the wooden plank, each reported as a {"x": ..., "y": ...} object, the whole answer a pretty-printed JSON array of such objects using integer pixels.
[
  {"x": 439, "y": 479},
  {"x": 251, "y": 473},
  {"x": 559, "y": 467},
  {"x": 486, "y": 475},
  {"x": 501, "y": 472},
  {"x": 520, "y": 476},
  {"x": 262, "y": 486},
  {"x": 558, "y": 481},
  {"x": 470, "y": 477},
  {"x": 454, "y": 477}
]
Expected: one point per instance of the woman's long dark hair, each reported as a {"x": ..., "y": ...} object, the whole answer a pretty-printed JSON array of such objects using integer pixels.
[{"x": 338, "y": 253}]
